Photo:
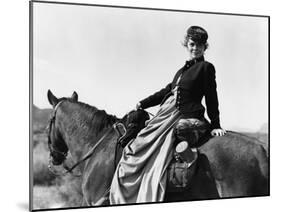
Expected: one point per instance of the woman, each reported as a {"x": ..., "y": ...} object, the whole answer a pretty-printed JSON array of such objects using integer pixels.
[{"x": 141, "y": 173}]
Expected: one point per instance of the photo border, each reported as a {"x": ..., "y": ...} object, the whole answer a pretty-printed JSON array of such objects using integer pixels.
[{"x": 31, "y": 19}]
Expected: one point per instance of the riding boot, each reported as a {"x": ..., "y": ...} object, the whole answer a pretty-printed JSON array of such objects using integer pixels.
[{"x": 190, "y": 130}]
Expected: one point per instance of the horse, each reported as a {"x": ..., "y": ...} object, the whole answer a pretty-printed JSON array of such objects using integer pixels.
[{"x": 234, "y": 165}]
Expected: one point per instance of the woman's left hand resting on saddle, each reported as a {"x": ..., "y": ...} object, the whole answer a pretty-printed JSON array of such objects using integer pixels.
[{"x": 218, "y": 132}]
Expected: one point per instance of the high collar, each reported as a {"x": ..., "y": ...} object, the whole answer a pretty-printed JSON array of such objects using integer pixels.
[{"x": 189, "y": 63}]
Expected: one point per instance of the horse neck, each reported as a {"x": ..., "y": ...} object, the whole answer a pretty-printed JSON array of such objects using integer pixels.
[{"x": 80, "y": 129}]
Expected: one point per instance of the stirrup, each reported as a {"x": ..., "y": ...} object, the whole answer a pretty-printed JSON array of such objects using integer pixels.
[
  {"x": 183, "y": 152},
  {"x": 116, "y": 127}
]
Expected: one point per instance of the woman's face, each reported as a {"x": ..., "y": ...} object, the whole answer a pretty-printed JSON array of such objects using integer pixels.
[{"x": 195, "y": 49}]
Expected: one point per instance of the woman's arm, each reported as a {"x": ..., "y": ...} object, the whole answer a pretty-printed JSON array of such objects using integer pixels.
[
  {"x": 156, "y": 98},
  {"x": 211, "y": 97}
]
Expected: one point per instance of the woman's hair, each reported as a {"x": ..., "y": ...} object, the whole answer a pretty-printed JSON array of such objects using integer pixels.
[{"x": 197, "y": 34}]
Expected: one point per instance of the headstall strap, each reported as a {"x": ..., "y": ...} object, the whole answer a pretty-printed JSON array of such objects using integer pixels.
[
  {"x": 53, "y": 116},
  {"x": 49, "y": 128}
]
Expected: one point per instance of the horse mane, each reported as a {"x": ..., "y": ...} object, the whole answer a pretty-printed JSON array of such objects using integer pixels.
[{"x": 97, "y": 119}]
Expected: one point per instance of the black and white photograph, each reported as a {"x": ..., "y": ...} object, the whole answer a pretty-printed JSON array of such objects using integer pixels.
[{"x": 134, "y": 105}]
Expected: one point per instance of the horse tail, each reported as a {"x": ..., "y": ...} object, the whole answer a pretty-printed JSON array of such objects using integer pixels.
[{"x": 262, "y": 160}]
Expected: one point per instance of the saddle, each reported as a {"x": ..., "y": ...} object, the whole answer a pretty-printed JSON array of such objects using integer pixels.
[
  {"x": 130, "y": 125},
  {"x": 189, "y": 134}
]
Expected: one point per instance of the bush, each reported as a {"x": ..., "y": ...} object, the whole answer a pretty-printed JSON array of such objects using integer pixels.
[
  {"x": 65, "y": 193},
  {"x": 69, "y": 188},
  {"x": 41, "y": 173},
  {"x": 40, "y": 137},
  {"x": 47, "y": 197}
]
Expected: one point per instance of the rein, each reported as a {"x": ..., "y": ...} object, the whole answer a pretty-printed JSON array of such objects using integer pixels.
[{"x": 88, "y": 154}]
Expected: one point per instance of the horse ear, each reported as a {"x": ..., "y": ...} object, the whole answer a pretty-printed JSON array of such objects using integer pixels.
[
  {"x": 74, "y": 96},
  {"x": 52, "y": 99}
]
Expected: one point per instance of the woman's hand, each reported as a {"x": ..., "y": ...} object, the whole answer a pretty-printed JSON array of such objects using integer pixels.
[
  {"x": 218, "y": 132},
  {"x": 138, "y": 106}
]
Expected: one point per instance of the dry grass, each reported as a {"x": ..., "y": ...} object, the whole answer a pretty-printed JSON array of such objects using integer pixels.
[
  {"x": 50, "y": 191},
  {"x": 41, "y": 174},
  {"x": 47, "y": 197},
  {"x": 66, "y": 193}
]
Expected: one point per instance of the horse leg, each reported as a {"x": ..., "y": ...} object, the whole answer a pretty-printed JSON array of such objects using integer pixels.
[
  {"x": 84, "y": 202},
  {"x": 97, "y": 179},
  {"x": 96, "y": 196},
  {"x": 95, "y": 190},
  {"x": 102, "y": 201},
  {"x": 263, "y": 182}
]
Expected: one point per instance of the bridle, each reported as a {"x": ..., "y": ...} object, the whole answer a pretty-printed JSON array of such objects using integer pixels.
[
  {"x": 49, "y": 128},
  {"x": 64, "y": 154},
  {"x": 51, "y": 148}
]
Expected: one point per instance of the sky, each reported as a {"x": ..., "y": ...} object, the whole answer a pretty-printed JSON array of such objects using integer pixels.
[{"x": 115, "y": 57}]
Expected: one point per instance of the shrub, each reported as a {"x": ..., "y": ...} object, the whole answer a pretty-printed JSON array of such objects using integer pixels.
[
  {"x": 41, "y": 174},
  {"x": 47, "y": 197},
  {"x": 69, "y": 188}
]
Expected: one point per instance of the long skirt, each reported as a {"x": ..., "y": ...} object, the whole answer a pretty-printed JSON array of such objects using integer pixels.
[{"x": 141, "y": 173}]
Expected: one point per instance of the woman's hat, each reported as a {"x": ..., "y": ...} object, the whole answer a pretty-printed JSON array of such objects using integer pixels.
[{"x": 197, "y": 34}]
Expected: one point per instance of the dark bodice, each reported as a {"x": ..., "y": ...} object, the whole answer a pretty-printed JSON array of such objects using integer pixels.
[{"x": 197, "y": 79}]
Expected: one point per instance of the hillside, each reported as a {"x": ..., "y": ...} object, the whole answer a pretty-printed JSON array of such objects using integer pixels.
[
  {"x": 264, "y": 128},
  {"x": 40, "y": 118}
]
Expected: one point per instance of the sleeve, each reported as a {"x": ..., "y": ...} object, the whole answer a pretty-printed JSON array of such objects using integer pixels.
[
  {"x": 211, "y": 97},
  {"x": 156, "y": 98}
]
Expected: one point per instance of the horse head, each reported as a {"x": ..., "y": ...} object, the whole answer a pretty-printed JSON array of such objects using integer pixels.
[{"x": 56, "y": 143}]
